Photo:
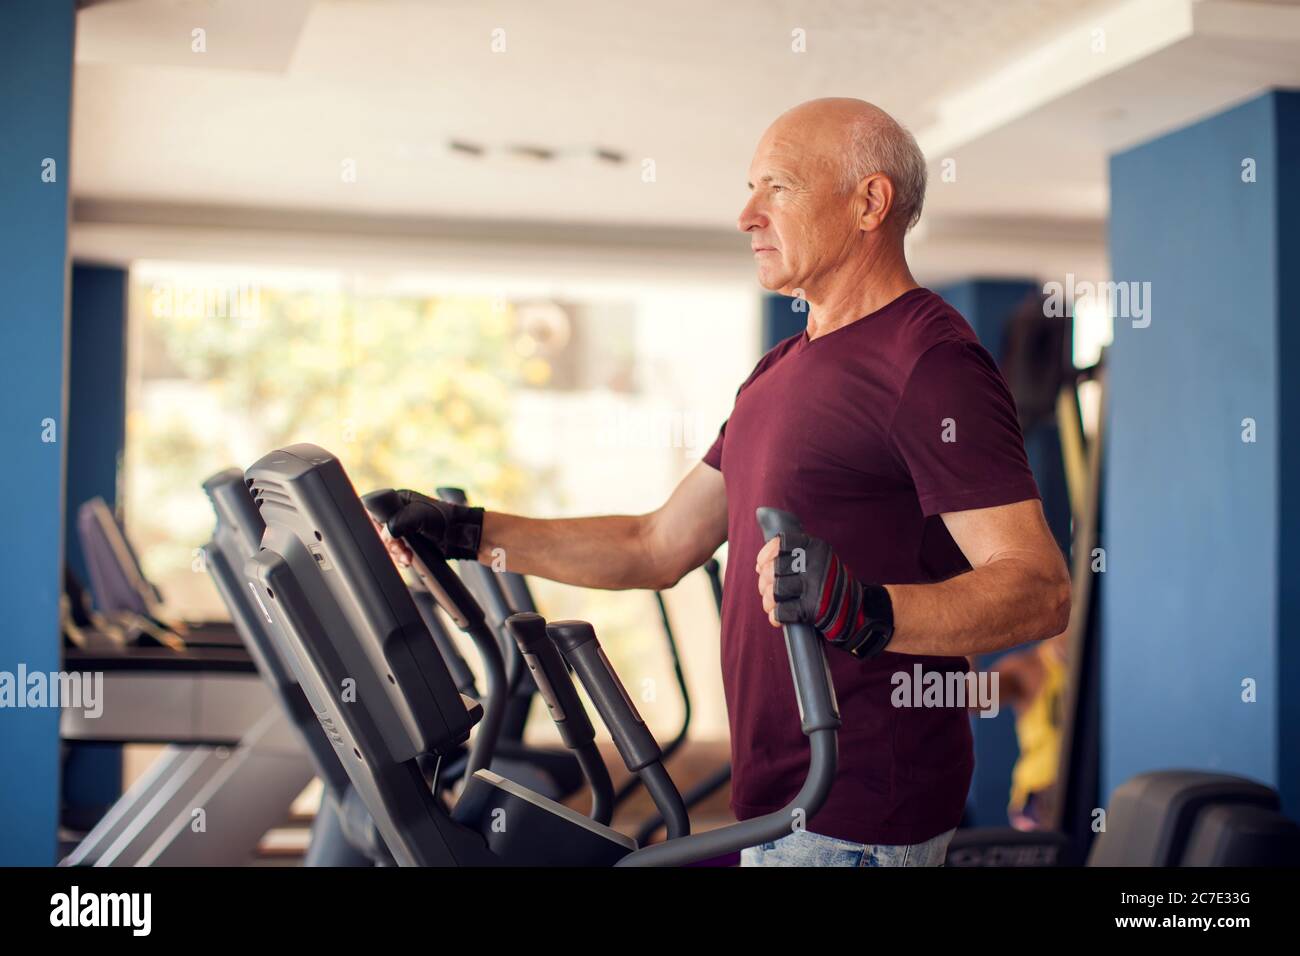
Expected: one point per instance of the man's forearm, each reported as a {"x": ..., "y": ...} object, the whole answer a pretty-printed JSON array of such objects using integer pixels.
[
  {"x": 608, "y": 552},
  {"x": 996, "y": 606}
]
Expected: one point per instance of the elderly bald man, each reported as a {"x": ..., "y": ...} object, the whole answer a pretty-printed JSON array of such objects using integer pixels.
[{"x": 889, "y": 431}]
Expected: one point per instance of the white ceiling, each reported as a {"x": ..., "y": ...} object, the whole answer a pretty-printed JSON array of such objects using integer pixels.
[
  {"x": 690, "y": 85},
  {"x": 1014, "y": 90}
]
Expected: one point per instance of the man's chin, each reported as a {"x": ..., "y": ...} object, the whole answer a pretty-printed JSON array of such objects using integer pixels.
[{"x": 773, "y": 282}]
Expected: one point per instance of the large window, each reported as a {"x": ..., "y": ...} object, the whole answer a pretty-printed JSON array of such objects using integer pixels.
[{"x": 539, "y": 398}]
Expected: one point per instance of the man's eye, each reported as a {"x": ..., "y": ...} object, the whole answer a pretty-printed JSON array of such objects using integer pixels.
[{"x": 776, "y": 188}]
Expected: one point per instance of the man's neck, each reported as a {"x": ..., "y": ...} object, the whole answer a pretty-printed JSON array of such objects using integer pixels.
[{"x": 869, "y": 284}]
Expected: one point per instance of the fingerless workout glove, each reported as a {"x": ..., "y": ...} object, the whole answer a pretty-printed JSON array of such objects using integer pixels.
[
  {"x": 812, "y": 586},
  {"x": 455, "y": 530}
]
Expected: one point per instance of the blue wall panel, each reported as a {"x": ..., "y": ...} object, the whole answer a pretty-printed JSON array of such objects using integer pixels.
[
  {"x": 987, "y": 304},
  {"x": 96, "y": 394},
  {"x": 783, "y": 316},
  {"x": 1287, "y": 131},
  {"x": 36, "y": 48},
  {"x": 1199, "y": 523},
  {"x": 95, "y": 434}
]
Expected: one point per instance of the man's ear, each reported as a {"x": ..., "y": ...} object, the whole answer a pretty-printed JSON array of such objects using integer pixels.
[{"x": 877, "y": 195}]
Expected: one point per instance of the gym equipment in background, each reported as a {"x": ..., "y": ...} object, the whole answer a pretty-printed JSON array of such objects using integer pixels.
[
  {"x": 116, "y": 580},
  {"x": 1194, "y": 818},
  {"x": 129, "y": 608},
  {"x": 232, "y": 767},
  {"x": 552, "y": 772},
  {"x": 721, "y": 777},
  {"x": 129, "y": 605}
]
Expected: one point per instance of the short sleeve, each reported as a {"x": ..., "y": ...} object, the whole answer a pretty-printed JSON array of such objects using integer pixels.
[
  {"x": 713, "y": 457},
  {"x": 957, "y": 433}
]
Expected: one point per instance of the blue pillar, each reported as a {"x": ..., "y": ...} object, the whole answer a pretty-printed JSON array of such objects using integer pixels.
[
  {"x": 95, "y": 435},
  {"x": 783, "y": 317},
  {"x": 987, "y": 304},
  {"x": 96, "y": 395},
  {"x": 36, "y": 47},
  {"x": 1202, "y": 588}
]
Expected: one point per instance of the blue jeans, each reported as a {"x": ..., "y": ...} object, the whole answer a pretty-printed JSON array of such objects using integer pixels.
[{"x": 802, "y": 848}]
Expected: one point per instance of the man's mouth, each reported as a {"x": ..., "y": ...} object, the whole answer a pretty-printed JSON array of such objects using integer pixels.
[{"x": 759, "y": 250}]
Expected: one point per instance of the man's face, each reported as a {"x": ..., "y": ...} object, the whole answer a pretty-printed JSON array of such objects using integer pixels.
[{"x": 799, "y": 222}]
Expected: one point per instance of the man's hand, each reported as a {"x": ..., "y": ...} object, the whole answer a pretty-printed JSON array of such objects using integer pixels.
[
  {"x": 398, "y": 550},
  {"x": 455, "y": 530},
  {"x": 802, "y": 580},
  {"x": 799, "y": 596}
]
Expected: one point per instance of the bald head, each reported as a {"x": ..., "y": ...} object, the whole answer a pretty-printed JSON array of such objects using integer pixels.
[
  {"x": 855, "y": 139},
  {"x": 831, "y": 116}
]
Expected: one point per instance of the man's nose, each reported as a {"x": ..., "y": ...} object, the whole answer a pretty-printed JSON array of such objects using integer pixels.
[{"x": 750, "y": 217}]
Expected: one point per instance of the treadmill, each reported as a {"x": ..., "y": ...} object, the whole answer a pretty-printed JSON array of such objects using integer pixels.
[
  {"x": 233, "y": 765},
  {"x": 130, "y": 604}
]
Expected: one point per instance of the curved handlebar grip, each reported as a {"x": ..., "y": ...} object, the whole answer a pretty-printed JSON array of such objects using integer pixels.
[
  {"x": 451, "y": 656},
  {"x": 552, "y": 679},
  {"x": 455, "y": 496},
  {"x": 578, "y": 643},
  {"x": 486, "y": 584},
  {"x": 814, "y": 691},
  {"x": 443, "y": 583},
  {"x": 382, "y": 505}
]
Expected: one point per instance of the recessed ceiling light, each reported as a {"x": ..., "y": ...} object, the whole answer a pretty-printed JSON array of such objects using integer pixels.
[
  {"x": 536, "y": 153},
  {"x": 527, "y": 151}
]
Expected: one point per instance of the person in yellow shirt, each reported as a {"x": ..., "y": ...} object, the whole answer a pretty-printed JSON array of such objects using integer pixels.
[{"x": 1032, "y": 682}]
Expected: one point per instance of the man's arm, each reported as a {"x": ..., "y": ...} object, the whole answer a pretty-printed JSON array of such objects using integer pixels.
[
  {"x": 617, "y": 552},
  {"x": 1018, "y": 588}
]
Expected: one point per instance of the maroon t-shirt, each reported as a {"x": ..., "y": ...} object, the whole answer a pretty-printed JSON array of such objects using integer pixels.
[{"x": 868, "y": 434}]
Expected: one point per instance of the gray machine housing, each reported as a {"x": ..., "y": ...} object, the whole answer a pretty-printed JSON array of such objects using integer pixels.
[{"x": 385, "y": 697}]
